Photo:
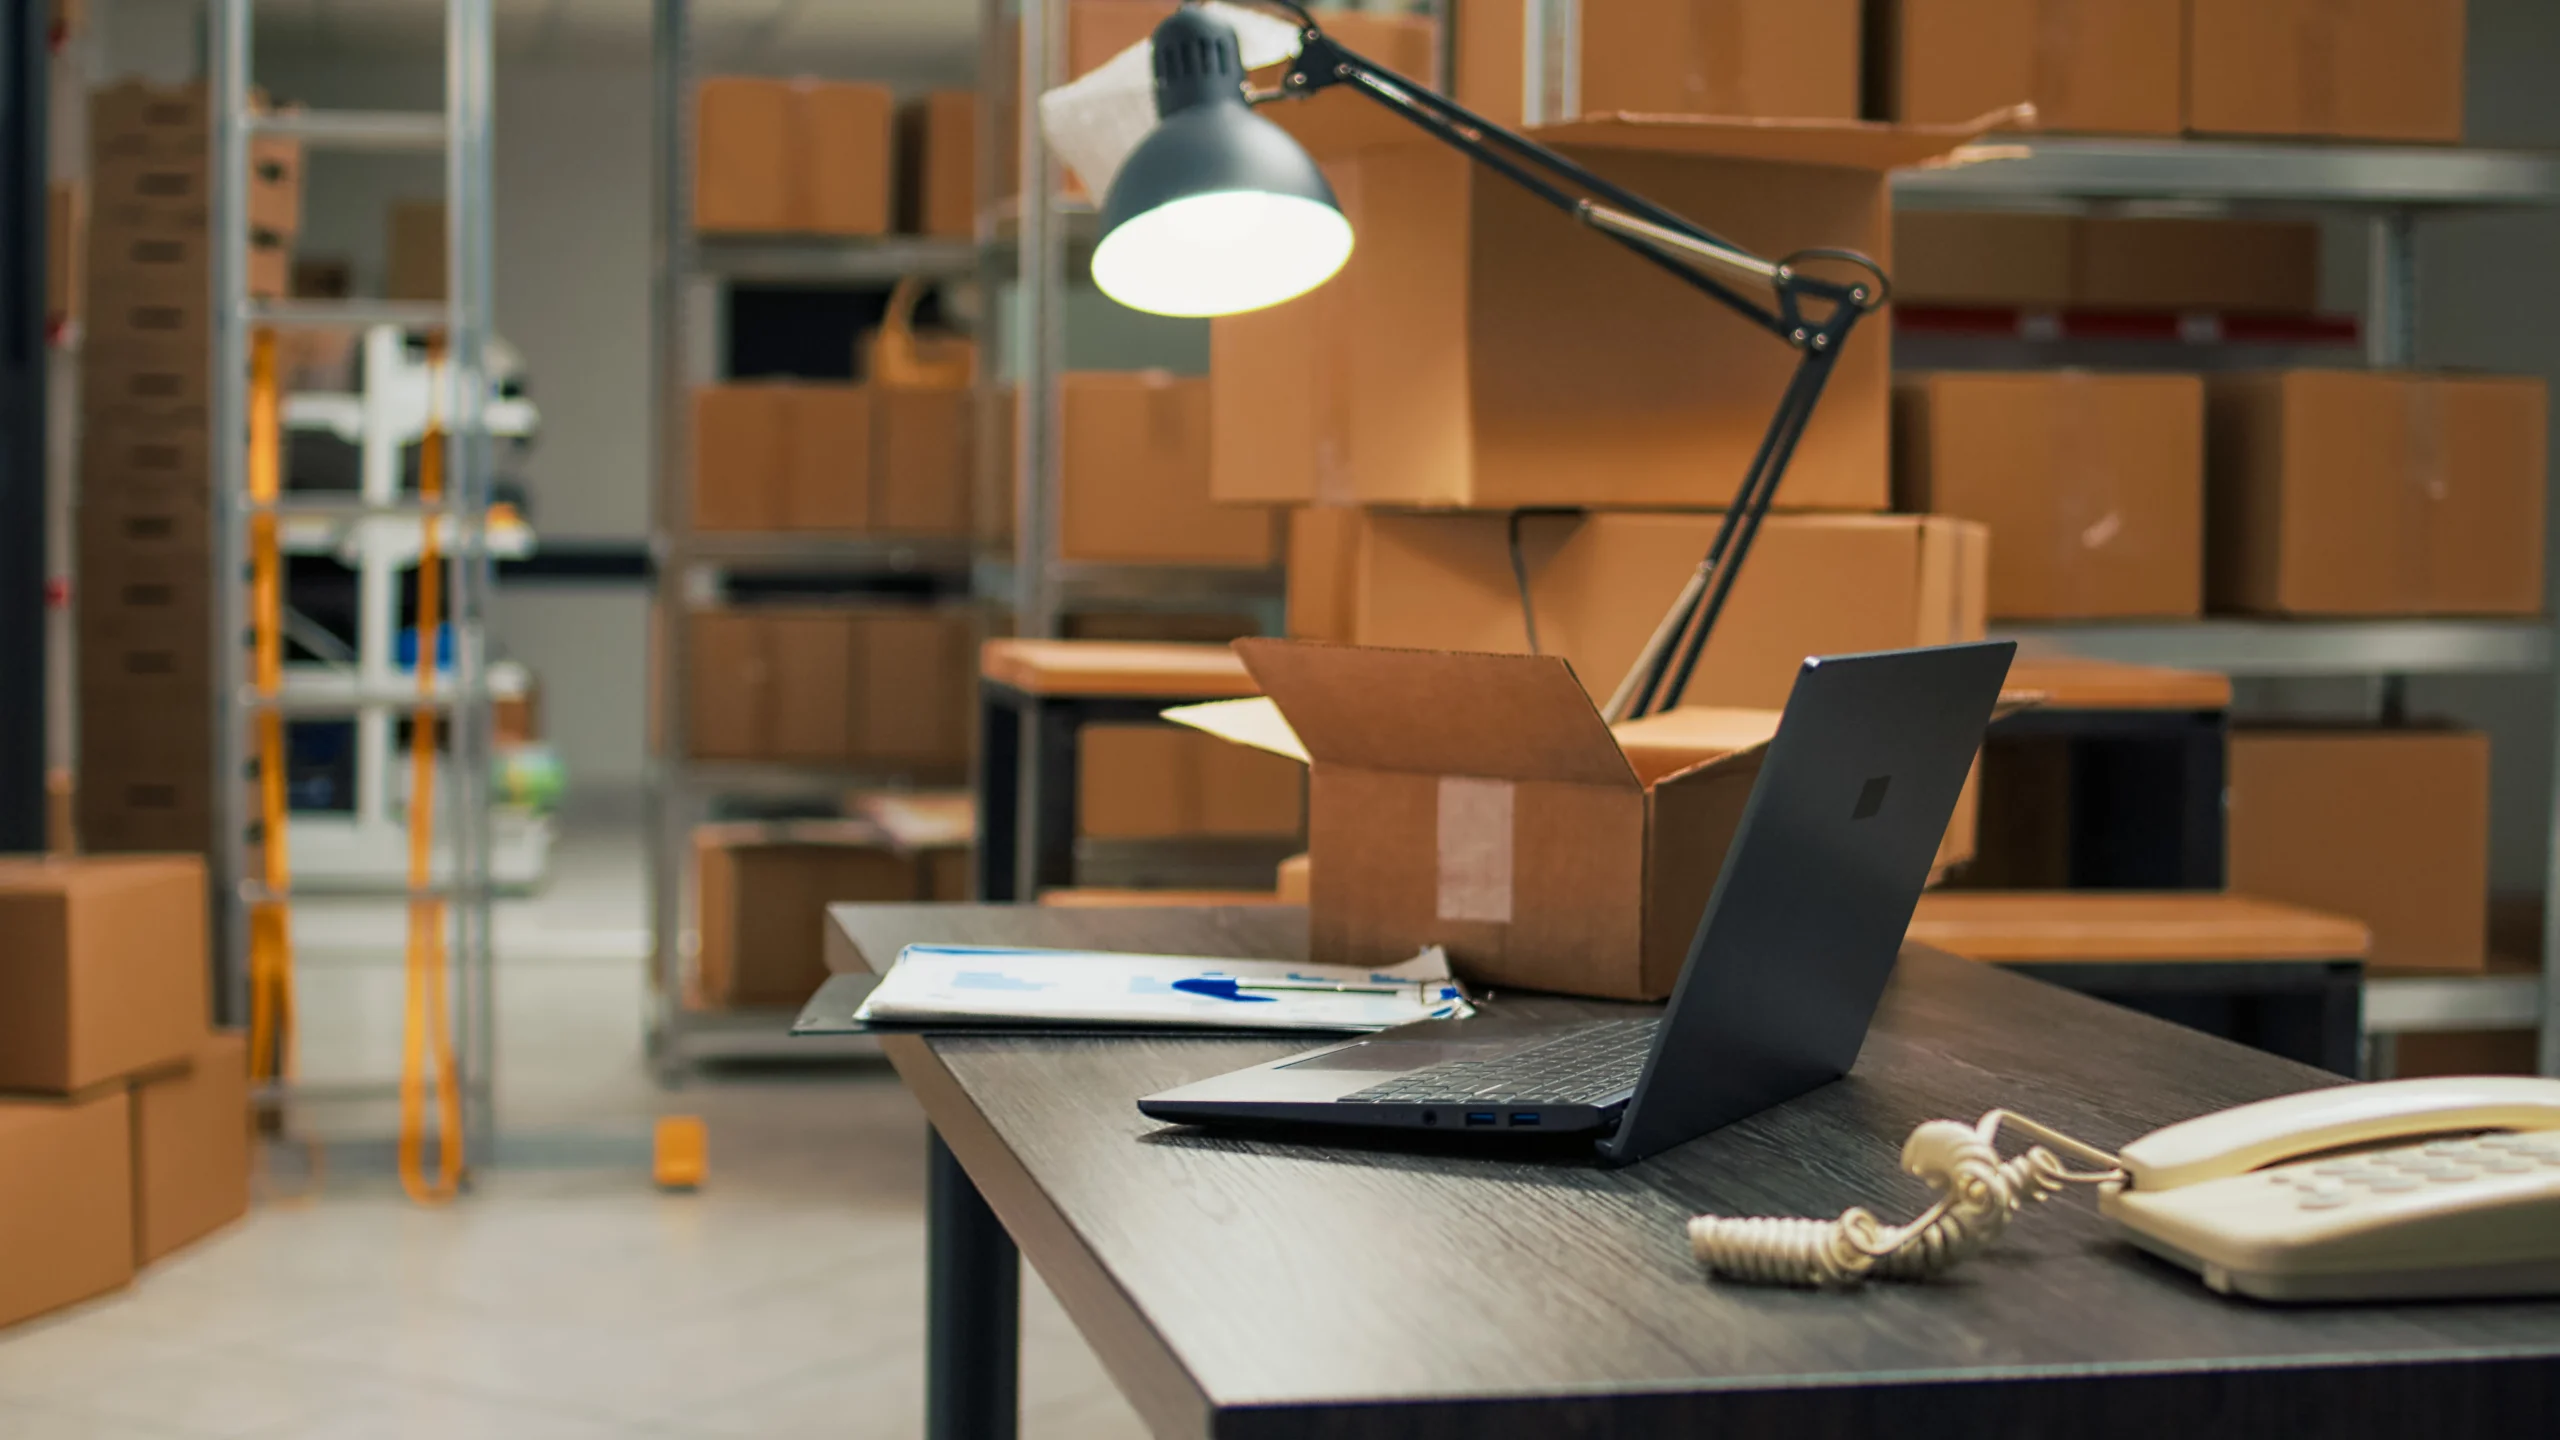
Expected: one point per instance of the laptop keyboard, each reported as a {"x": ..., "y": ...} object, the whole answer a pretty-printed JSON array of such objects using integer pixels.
[{"x": 1579, "y": 1067}]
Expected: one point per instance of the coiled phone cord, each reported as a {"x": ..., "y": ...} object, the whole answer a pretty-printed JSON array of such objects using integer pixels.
[{"x": 1979, "y": 1194}]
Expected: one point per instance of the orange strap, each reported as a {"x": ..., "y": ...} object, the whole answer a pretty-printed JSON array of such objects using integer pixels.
[
  {"x": 271, "y": 1042},
  {"x": 427, "y": 1037}
]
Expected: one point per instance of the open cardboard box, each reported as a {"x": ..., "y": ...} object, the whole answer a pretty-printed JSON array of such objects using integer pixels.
[{"x": 1479, "y": 802}]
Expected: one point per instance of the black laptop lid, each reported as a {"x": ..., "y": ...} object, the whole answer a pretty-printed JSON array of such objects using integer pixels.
[{"x": 1800, "y": 934}]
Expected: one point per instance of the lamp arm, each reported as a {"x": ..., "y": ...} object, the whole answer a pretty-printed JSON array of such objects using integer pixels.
[
  {"x": 1670, "y": 241},
  {"x": 1679, "y": 246}
]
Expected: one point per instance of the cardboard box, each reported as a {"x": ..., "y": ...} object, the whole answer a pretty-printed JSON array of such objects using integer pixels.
[
  {"x": 102, "y": 968},
  {"x": 881, "y": 685},
  {"x": 144, "y": 457},
  {"x": 1600, "y": 582},
  {"x": 923, "y": 460},
  {"x": 66, "y": 1201},
  {"x": 938, "y": 165},
  {"x": 2054, "y": 262},
  {"x": 2092, "y": 486},
  {"x": 2418, "y": 1053},
  {"x": 2389, "y": 826},
  {"x": 762, "y": 892},
  {"x": 1543, "y": 848},
  {"x": 173, "y": 191},
  {"x": 2348, "y": 69},
  {"x": 1480, "y": 350},
  {"x": 1135, "y": 487},
  {"x": 1772, "y": 58},
  {"x": 65, "y": 216},
  {"x": 175, "y": 267},
  {"x": 771, "y": 457},
  {"x": 1543, "y": 851},
  {"x": 1152, "y": 781},
  {"x": 791, "y": 156},
  {"x": 191, "y": 1148},
  {"x": 414, "y": 263},
  {"x": 2097, "y": 66},
  {"x": 1294, "y": 880},
  {"x": 2266, "y": 267},
  {"x": 1989, "y": 258},
  {"x": 2349, "y": 492}
]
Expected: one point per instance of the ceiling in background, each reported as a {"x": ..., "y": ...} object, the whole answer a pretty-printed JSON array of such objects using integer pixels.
[{"x": 886, "y": 38}]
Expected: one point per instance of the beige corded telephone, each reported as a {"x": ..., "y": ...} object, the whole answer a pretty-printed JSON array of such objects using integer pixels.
[{"x": 2403, "y": 1189}]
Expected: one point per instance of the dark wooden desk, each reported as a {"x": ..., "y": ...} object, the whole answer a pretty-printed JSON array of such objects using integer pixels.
[{"x": 1247, "y": 1287}]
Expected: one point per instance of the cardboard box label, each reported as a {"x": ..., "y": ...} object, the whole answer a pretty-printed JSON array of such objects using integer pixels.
[{"x": 1475, "y": 849}]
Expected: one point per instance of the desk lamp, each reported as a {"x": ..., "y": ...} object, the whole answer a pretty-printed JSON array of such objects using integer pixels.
[{"x": 1218, "y": 211}]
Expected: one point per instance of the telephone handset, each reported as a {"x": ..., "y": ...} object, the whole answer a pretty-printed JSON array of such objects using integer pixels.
[{"x": 2402, "y": 1189}]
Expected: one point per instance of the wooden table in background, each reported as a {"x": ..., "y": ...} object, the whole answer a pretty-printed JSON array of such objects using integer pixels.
[
  {"x": 1238, "y": 1285},
  {"x": 2146, "y": 750},
  {"x": 1034, "y": 699}
]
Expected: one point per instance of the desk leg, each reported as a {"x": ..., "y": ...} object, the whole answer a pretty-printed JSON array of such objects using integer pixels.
[
  {"x": 973, "y": 1308},
  {"x": 1045, "y": 856},
  {"x": 999, "y": 792}
]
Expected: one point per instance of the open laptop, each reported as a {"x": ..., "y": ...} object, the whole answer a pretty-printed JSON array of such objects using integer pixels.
[{"x": 1782, "y": 978}]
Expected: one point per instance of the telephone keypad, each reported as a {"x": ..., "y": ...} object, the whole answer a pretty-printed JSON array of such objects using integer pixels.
[{"x": 2334, "y": 1183}]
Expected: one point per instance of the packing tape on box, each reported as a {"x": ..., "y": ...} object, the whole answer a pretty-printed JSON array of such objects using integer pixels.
[
  {"x": 1717, "y": 45},
  {"x": 2426, "y": 482},
  {"x": 2089, "y": 510},
  {"x": 1475, "y": 849},
  {"x": 2056, "y": 41},
  {"x": 2315, "y": 53}
]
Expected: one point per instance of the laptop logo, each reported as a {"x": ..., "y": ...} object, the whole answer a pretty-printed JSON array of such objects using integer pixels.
[{"x": 1871, "y": 796}]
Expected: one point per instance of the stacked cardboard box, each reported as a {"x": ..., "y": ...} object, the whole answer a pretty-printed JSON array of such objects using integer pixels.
[
  {"x": 2092, "y": 485},
  {"x": 878, "y": 685},
  {"x": 2390, "y": 826},
  {"x": 2100, "y": 66},
  {"x": 938, "y": 165},
  {"x": 2340, "y": 69},
  {"x": 2334, "y": 69},
  {"x": 791, "y": 156},
  {"x": 831, "y": 458},
  {"x": 142, "y": 544},
  {"x": 1135, "y": 477},
  {"x": 124, "y": 1123},
  {"x": 2106, "y": 262},
  {"x": 2357, "y": 492},
  {"x": 1794, "y": 59},
  {"x": 762, "y": 889}
]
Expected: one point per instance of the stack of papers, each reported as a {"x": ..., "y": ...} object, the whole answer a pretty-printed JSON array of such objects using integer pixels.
[{"x": 941, "y": 984}]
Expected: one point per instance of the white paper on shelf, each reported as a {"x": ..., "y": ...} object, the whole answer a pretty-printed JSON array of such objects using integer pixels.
[
  {"x": 1096, "y": 119},
  {"x": 1001, "y": 985}
]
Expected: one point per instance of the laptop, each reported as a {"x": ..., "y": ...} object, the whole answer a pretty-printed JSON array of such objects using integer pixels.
[{"x": 1782, "y": 977}]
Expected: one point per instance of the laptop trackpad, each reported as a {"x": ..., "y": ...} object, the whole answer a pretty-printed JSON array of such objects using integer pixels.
[{"x": 1381, "y": 1055}]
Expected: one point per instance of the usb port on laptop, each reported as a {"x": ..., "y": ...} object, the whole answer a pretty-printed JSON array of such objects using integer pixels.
[
  {"x": 1524, "y": 1117},
  {"x": 1480, "y": 1117}
]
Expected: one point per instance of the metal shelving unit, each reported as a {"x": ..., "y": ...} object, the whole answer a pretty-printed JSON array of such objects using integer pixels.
[
  {"x": 1028, "y": 253},
  {"x": 693, "y": 567},
  {"x": 2391, "y": 188},
  {"x": 377, "y": 690}
]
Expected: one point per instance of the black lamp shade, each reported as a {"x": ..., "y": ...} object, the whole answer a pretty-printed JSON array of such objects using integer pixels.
[{"x": 1218, "y": 210}]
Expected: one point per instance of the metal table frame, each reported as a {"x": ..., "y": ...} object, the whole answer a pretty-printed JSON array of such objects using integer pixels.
[{"x": 1027, "y": 780}]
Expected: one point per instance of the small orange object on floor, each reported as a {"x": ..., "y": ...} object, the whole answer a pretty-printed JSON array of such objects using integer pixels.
[{"x": 680, "y": 1153}]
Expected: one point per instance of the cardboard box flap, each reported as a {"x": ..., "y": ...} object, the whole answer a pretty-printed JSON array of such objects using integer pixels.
[
  {"x": 1339, "y": 129},
  {"x": 1438, "y": 712},
  {"x": 1255, "y": 723},
  {"x": 1834, "y": 144},
  {"x": 1675, "y": 742}
]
